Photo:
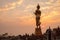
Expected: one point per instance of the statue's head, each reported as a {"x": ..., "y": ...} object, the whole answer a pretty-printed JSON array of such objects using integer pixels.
[{"x": 38, "y": 7}]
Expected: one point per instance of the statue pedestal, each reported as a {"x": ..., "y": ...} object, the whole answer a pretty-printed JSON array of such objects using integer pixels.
[{"x": 38, "y": 31}]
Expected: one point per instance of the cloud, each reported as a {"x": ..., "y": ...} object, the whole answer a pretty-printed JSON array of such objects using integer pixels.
[
  {"x": 29, "y": 7},
  {"x": 50, "y": 18},
  {"x": 12, "y": 5},
  {"x": 50, "y": 14},
  {"x": 47, "y": 7}
]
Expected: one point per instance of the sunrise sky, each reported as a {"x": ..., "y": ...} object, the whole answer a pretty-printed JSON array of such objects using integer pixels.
[{"x": 17, "y": 16}]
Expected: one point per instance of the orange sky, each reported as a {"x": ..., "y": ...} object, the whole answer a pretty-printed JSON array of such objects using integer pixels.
[{"x": 17, "y": 16}]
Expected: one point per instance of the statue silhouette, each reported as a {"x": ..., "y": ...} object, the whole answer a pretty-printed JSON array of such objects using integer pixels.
[{"x": 38, "y": 14}]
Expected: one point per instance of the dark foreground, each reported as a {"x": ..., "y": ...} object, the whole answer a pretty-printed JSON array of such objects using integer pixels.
[{"x": 48, "y": 35}]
